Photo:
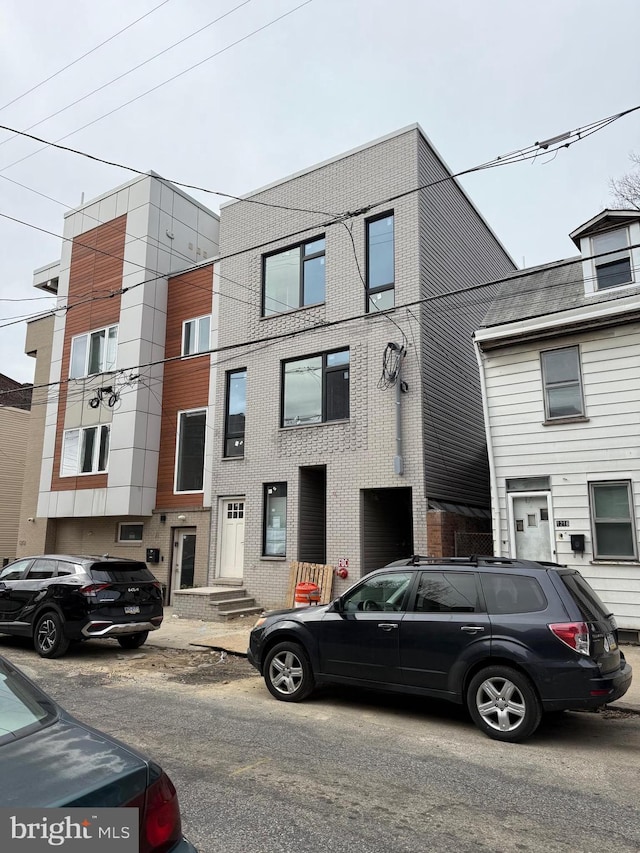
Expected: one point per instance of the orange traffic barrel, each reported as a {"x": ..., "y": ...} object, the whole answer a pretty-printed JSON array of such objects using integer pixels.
[{"x": 306, "y": 594}]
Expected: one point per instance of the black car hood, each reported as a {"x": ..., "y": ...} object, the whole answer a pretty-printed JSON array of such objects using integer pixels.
[
  {"x": 67, "y": 762},
  {"x": 297, "y": 611}
]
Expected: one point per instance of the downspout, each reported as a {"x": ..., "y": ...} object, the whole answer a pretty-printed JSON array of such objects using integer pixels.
[
  {"x": 398, "y": 461},
  {"x": 493, "y": 481}
]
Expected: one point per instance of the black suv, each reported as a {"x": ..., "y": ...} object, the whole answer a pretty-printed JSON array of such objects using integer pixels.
[
  {"x": 57, "y": 599},
  {"x": 511, "y": 639}
]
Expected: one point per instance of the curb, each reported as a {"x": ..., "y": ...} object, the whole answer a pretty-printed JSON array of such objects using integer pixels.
[{"x": 627, "y": 707}]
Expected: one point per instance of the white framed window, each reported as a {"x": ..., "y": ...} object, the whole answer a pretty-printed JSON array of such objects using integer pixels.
[
  {"x": 94, "y": 352},
  {"x": 612, "y": 520},
  {"x": 196, "y": 335},
  {"x": 562, "y": 381},
  {"x": 190, "y": 450},
  {"x": 85, "y": 451},
  {"x": 130, "y": 532},
  {"x": 612, "y": 261}
]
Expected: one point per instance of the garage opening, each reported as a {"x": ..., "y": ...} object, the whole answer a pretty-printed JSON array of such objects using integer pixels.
[
  {"x": 312, "y": 519},
  {"x": 386, "y": 526}
]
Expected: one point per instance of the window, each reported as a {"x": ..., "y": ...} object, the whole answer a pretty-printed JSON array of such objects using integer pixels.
[
  {"x": 562, "y": 383},
  {"x": 196, "y": 335},
  {"x": 613, "y": 267},
  {"x": 42, "y": 569},
  {"x": 382, "y": 592},
  {"x": 190, "y": 451},
  {"x": 447, "y": 592},
  {"x": 14, "y": 571},
  {"x": 94, "y": 352},
  {"x": 130, "y": 532},
  {"x": 235, "y": 412},
  {"x": 294, "y": 278},
  {"x": 512, "y": 594},
  {"x": 612, "y": 520},
  {"x": 316, "y": 389},
  {"x": 85, "y": 451},
  {"x": 380, "y": 263},
  {"x": 274, "y": 537}
]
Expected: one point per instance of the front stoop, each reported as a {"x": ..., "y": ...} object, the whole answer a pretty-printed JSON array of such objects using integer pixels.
[{"x": 215, "y": 603}]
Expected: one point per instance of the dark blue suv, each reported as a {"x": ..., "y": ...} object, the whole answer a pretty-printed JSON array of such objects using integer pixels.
[{"x": 511, "y": 639}]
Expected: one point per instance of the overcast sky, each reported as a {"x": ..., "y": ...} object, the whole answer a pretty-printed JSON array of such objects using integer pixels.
[{"x": 482, "y": 77}]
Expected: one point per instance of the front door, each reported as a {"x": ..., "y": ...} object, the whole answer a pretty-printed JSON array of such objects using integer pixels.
[
  {"x": 232, "y": 538},
  {"x": 531, "y": 530},
  {"x": 184, "y": 558}
]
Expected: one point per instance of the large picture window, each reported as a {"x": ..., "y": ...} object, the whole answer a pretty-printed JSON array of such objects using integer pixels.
[
  {"x": 380, "y": 263},
  {"x": 562, "y": 383},
  {"x": 316, "y": 389},
  {"x": 613, "y": 268},
  {"x": 94, "y": 352},
  {"x": 190, "y": 451},
  {"x": 612, "y": 520},
  {"x": 235, "y": 412},
  {"x": 274, "y": 535},
  {"x": 85, "y": 451},
  {"x": 294, "y": 278},
  {"x": 196, "y": 335}
]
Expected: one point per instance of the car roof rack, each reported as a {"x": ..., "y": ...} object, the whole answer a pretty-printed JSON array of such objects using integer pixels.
[{"x": 479, "y": 560}]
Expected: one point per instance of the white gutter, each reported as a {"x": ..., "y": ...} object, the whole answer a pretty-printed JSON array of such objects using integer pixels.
[{"x": 493, "y": 482}]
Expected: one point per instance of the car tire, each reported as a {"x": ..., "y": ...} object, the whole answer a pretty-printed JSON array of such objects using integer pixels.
[
  {"x": 503, "y": 704},
  {"x": 133, "y": 641},
  {"x": 48, "y": 637},
  {"x": 288, "y": 673}
]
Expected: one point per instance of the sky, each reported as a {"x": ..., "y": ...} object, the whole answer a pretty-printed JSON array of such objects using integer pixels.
[{"x": 481, "y": 78}]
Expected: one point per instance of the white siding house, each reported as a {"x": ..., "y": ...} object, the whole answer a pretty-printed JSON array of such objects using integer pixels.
[{"x": 559, "y": 357}]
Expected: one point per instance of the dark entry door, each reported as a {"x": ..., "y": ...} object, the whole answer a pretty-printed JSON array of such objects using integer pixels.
[{"x": 387, "y": 526}]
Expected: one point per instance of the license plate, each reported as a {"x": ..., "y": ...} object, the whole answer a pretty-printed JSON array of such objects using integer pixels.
[
  {"x": 132, "y": 608},
  {"x": 610, "y": 644}
]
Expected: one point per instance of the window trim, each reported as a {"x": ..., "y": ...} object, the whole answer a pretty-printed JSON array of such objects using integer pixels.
[
  {"x": 549, "y": 418},
  {"x": 265, "y": 495},
  {"x": 87, "y": 355},
  {"x": 323, "y": 388},
  {"x": 631, "y": 521},
  {"x": 198, "y": 350},
  {"x": 179, "y": 414},
  {"x": 301, "y": 304},
  {"x": 603, "y": 259},
  {"x": 122, "y": 524},
  {"x": 369, "y": 291},
  {"x": 95, "y": 454},
  {"x": 227, "y": 434}
]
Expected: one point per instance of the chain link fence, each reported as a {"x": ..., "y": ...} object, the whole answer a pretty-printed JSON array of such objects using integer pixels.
[{"x": 468, "y": 544}]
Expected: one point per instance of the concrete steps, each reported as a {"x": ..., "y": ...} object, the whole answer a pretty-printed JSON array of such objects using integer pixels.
[{"x": 216, "y": 603}]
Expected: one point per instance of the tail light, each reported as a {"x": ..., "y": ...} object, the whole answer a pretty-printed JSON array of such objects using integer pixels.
[
  {"x": 93, "y": 589},
  {"x": 160, "y": 825},
  {"x": 573, "y": 634}
]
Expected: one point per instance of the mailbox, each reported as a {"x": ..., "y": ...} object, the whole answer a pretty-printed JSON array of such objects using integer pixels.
[
  {"x": 153, "y": 555},
  {"x": 577, "y": 543}
]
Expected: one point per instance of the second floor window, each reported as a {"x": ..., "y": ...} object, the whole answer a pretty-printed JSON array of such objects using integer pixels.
[
  {"x": 380, "y": 263},
  {"x": 196, "y": 335},
  {"x": 192, "y": 428},
  {"x": 614, "y": 267},
  {"x": 235, "y": 413},
  {"x": 293, "y": 278},
  {"x": 85, "y": 451},
  {"x": 562, "y": 383},
  {"x": 316, "y": 389},
  {"x": 94, "y": 352}
]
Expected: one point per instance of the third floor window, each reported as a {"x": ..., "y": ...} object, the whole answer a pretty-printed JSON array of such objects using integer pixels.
[
  {"x": 196, "y": 335},
  {"x": 94, "y": 352},
  {"x": 380, "y": 263},
  {"x": 293, "y": 278}
]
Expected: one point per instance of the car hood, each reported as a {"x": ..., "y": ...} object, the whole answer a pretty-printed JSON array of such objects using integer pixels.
[
  {"x": 67, "y": 763},
  {"x": 302, "y": 614}
]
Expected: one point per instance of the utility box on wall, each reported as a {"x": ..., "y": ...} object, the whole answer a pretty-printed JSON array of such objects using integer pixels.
[{"x": 153, "y": 555}]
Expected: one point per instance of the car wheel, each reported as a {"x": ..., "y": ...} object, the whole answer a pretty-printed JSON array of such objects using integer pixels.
[
  {"x": 133, "y": 641},
  {"x": 48, "y": 638},
  {"x": 504, "y": 704},
  {"x": 287, "y": 672}
]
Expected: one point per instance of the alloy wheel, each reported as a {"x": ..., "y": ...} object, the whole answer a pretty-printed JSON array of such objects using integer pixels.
[
  {"x": 500, "y": 704},
  {"x": 286, "y": 672}
]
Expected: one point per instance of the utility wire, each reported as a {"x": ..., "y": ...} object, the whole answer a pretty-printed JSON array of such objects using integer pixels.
[{"x": 83, "y": 56}]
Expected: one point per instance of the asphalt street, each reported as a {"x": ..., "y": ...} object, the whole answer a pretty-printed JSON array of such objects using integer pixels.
[{"x": 348, "y": 772}]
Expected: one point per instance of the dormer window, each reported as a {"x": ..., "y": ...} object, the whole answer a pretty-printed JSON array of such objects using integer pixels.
[{"x": 612, "y": 259}]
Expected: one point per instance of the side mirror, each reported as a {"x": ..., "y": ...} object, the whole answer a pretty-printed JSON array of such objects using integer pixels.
[{"x": 336, "y": 606}]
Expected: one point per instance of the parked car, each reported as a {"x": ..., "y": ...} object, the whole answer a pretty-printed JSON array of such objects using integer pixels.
[
  {"x": 511, "y": 639},
  {"x": 57, "y": 599},
  {"x": 50, "y": 759}
]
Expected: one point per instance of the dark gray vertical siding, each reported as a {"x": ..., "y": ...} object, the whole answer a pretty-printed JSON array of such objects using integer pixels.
[
  {"x": 312, "y": 524},
  {"x": 457, "y": 250},
  {"x": 387, "y": 526}
]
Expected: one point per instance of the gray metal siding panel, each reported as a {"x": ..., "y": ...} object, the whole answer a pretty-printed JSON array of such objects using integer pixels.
[
  {"x": 457, "y": 250},
  {"x": 312, "y": 525}
]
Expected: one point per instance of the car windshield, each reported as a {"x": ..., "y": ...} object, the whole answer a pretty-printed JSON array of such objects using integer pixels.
[{"x": 22, "y": 708}]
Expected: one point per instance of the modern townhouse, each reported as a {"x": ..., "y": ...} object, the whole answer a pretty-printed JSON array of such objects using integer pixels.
[
  {"x": 558, "y": 353},
  {"x": 15, "y": 403}
]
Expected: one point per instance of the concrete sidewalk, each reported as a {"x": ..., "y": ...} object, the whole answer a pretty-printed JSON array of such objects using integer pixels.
[{"x": 179, "y": 633}]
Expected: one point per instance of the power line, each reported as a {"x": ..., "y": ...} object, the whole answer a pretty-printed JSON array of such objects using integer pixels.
[{"x": 83, "y": 56}]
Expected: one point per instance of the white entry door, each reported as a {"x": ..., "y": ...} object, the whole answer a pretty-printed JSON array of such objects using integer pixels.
[
  {"x": 231, "y": 538},
  {"x": 184, "y": 558},
  {"x": 532, "y": 526}
]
